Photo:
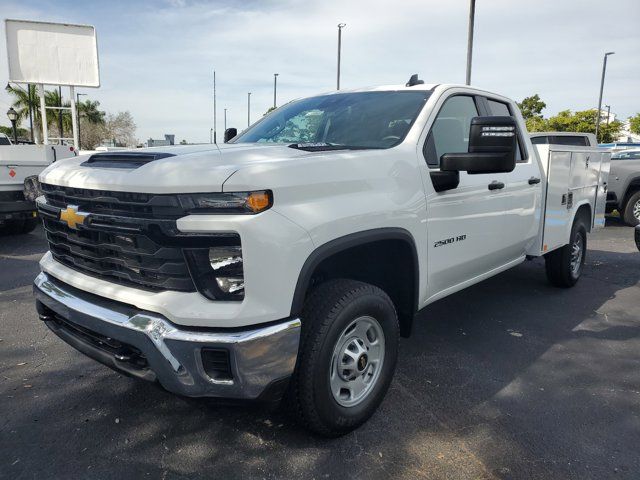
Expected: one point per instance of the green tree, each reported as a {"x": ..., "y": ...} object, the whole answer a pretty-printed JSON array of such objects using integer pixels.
[
  {"x": 634, "y": 124},
  {"x": 271, "y": 109},
  {"x": 584, "y": 121},
  {"x": 531, "y": 107},
  {"x": 23, "y": 133}
]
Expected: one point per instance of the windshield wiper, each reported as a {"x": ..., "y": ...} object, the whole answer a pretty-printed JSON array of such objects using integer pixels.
[{"x": 321, "y": 147}]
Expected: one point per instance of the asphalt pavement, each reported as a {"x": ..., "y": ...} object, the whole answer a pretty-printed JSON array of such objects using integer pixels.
[{"x": 511, "y": 378}]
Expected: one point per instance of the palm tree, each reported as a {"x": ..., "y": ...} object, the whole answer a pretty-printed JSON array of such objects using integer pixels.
[
  {"x": 87, "y": 110},
  {"x": 23, "y": 100}
]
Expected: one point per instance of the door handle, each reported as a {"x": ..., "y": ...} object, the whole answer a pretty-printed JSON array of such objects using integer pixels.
[
  {"x": 534, "y": 180},
  {"x": 495, "y": 185}
]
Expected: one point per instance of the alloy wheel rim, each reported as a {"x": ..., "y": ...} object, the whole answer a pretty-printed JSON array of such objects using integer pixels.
[
  {"x": 636, "y": 210},
  {"x": 358, "y": 357},
  {"x": 577, "y": 252}
]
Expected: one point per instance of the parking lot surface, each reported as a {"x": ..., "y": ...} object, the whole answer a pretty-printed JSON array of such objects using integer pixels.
[{"x": 511, "y": 378}]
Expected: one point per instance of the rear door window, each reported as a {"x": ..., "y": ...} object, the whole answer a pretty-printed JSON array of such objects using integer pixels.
[{"x": 501, "y": 109}]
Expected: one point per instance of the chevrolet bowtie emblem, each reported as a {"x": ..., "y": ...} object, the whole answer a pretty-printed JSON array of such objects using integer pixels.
[{"x": 72, "y": 216}]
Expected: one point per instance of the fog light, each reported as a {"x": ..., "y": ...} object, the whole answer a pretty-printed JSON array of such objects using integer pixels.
[
  {"x": 230, "y": 284},
  {"x": 217, "y": 272},
  {"x": 224, "y": 257}
]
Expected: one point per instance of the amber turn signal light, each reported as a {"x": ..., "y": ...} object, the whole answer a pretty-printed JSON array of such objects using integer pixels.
[{"x": 259, "y": 201}]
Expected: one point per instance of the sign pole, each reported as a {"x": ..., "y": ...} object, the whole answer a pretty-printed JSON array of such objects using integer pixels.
[
  {"x": 43, "y": 117},
  {"x": 74, "y": 118}
]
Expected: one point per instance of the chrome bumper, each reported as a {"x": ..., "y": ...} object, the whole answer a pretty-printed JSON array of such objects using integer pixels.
[{"x": 260, "y": 358}]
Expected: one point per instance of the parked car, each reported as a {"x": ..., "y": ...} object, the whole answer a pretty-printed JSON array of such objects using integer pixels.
[
  {"x": 624, "y": 185},
  {"x": 19, "y": 168},
  {"x": 290, "y": 260},
  {"x": 5, "y": 140}
]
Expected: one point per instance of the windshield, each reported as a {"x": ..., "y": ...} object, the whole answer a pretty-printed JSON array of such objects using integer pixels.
[{"x": 343, "y": 120}]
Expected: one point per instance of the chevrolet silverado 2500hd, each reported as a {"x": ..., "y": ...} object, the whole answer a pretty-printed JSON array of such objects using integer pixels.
[
  {"x": 19, "y": 167},
  {"x": 290, "y": 260}
]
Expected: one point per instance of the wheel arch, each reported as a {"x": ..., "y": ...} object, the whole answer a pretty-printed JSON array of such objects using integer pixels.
[
  {"x": 339, "y": 257},
  {"x": 584, "y": 211}
]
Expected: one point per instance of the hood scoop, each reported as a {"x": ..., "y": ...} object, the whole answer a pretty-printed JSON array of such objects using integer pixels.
[{"x": 127, "y": 160}]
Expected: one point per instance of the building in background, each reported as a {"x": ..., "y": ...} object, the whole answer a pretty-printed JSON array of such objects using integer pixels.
[{"x": 169, "y": 139}]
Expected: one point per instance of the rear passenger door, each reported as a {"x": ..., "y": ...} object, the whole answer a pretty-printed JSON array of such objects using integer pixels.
[{"x": 522, "y": 191}]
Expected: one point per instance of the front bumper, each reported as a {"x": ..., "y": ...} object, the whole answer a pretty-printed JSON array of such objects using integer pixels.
[
  {"x": 17, "y": 209},
  {"x": 146, "y": 345}
]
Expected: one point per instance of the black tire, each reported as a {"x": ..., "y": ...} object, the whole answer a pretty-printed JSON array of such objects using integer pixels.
[
  {"x": 327, "y": 313},
  {"x": 30, "y": 225},
  {"x": 20, "y": 226},
  {"x": 12, "y": 227},
  {"x": 632, "y": 205},
  {"x": 561, "y": 271}
]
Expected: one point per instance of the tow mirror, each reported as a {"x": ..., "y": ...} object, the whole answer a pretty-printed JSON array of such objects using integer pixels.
[
  {"x": 492, "y": 148},
  {"x": 230, "y": 133}
]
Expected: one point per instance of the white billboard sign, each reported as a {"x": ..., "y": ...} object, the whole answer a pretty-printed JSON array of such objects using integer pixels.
[{"x": 52, "y": 53}]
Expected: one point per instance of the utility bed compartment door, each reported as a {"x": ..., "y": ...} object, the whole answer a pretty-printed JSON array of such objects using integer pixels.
[
  {"x": 557, "y": 166},
  {"x": 601, "y": 195},
  {"x": 575, "y": 176}
]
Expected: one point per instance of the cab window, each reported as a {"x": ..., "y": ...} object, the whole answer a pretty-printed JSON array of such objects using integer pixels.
[
  {"x": 501, "y": 109},
  {"x": 450, "y": 130}
]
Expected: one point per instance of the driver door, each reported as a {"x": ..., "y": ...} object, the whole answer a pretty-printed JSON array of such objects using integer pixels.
[{"x": 464, "y": 224}]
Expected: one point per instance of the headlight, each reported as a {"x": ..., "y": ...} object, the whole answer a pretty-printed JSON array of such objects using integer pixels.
[
  {"x": 227, "y": 203},
  {"x": 217, "y": 271}
]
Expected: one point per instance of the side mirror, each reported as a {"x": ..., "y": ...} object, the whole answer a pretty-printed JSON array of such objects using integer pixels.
[
  {"x": 492, "y": 148},
  {"x": 230, "y": 133}
]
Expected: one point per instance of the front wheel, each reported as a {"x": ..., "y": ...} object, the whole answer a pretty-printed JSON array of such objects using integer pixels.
[
  {"x": 564, "y": 266},
  {"x": 347, "y": 356}
]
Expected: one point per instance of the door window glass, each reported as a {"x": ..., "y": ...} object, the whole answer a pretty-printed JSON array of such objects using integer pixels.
[{"x": 450, "y": 131}]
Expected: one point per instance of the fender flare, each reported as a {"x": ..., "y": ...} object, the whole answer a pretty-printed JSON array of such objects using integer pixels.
[{"x": 351, "y": 240}]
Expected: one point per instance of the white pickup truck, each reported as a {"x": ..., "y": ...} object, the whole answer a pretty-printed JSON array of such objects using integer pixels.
[
  {"x": 290, "y": 260},
  {"x": 19, "y": 169}
]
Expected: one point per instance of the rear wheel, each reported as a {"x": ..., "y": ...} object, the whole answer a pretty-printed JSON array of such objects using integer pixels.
[
  {"x": 631, "y": 212},
  {"x": 564, "y": 266},
  {"x": 347, "y": 356}
]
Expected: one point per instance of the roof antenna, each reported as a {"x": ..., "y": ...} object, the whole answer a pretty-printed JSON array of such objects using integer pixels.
[{"x": 414, "y": 80}]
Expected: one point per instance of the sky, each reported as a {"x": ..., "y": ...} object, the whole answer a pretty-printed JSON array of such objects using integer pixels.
[{"x": 157, "y": 57}]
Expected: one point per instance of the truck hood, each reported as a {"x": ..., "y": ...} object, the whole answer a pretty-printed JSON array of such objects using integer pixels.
[{"x": 198, "y": 168}]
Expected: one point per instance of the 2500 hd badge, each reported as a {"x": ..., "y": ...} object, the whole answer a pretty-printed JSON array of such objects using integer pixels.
[{"x": 459, "y": 238}]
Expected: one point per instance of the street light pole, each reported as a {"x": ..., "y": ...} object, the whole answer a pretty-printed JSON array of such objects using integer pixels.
[
  {"x": 275, "y": 88},
  {"x": 248, "y": 109},
  {"x": 604, "y": 70},
  {"x": 214, "y": 108},
  {"x": 472, "y": 14},
  {"x": 225, "y": 119},
  {"x": 340, "y": 27}
]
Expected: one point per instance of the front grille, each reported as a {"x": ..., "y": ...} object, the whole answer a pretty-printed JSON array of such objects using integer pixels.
[
  {"x": 125, "y": 204},
  {"x": 128, "y": 238}
]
